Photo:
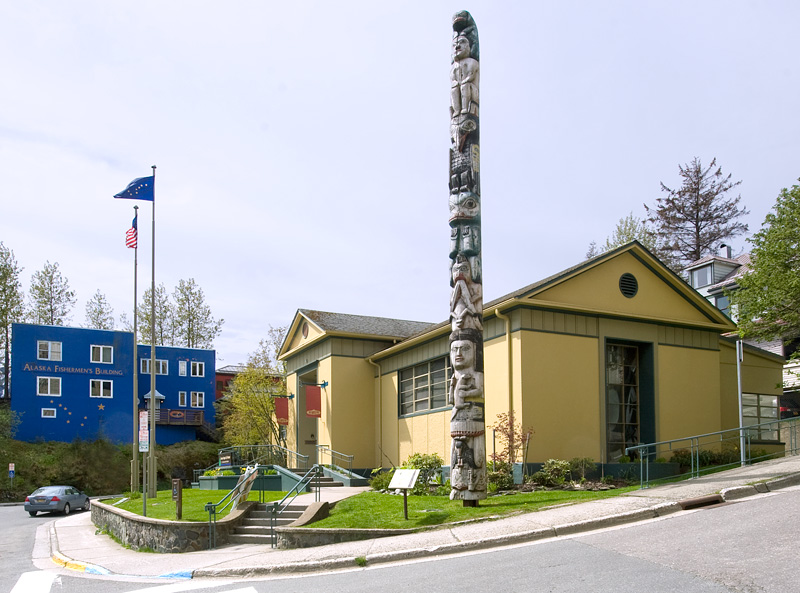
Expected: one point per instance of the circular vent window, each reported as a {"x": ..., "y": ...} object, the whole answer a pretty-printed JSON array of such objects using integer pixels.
[{"x": 628, "y": 285}]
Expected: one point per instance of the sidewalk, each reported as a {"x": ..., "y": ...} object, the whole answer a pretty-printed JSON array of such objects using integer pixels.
[{"x": 74, "y": 543}]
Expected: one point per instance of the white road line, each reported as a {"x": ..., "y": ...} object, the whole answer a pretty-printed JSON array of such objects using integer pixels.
[
  {"x": 37, "y": 581},
  {"x": 191, "y": 586}
]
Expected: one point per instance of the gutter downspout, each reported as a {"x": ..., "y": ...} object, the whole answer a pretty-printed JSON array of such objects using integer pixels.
[
  {"x": 507, "y": 321},
  {"x": 380, "y": 410}
]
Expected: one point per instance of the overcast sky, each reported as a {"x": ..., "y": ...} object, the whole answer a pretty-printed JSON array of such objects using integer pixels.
[{"x": 302, "y": 147}]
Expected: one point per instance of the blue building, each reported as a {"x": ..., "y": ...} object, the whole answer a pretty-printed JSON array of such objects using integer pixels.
[{"x": 70, "y": 383}]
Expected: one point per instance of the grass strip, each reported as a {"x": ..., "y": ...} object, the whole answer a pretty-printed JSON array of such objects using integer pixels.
[
  {"x": 375, "y": 510},
  {"x": 194, "y": 503}
]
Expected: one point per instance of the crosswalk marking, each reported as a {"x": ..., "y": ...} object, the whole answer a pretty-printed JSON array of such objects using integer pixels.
[
  {"x": 37, "y": 581},
  {"x": 192, "y": 586}
]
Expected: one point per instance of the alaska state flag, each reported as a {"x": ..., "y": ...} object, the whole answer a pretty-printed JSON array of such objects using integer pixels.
[{"x": 140, "y": 188}]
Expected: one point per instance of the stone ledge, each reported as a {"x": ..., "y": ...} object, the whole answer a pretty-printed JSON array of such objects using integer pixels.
[{"x": 163, "y": 536}]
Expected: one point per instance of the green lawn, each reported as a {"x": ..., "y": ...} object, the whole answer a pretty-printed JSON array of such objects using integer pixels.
[
  {"x": 374, "y": 510},
  {"x": 194, "y": 502}
]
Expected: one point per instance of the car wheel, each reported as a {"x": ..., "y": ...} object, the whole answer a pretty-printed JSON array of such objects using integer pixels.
[
  {"x": 86, "y": 504},
  {"x": 66, "y": 509},
  {"x": 32, "y": 513}
]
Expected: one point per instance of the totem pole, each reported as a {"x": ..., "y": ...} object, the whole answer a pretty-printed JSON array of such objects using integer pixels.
[{"x": 467, "y": 425}]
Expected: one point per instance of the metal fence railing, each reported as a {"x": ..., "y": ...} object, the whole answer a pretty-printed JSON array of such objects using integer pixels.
[
  {"x": 334, "y": 458},
  {"x": 707, "y": 453}
]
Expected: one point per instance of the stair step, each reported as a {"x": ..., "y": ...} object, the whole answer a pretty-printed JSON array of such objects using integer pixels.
[{"x": 235, "y": 538}]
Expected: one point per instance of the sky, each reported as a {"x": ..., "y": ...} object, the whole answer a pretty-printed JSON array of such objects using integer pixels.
[{"x": 302, "y": 147}]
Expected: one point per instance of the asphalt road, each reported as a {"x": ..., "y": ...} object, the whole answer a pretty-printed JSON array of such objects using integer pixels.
[{"x": 743, "y": 546}]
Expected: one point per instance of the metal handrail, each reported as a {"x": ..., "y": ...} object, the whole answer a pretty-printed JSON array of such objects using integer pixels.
[
  {"x": 695, "y": 444},
  {"x": 213, "y": 509},
  {"x": 252, "y": 456},
  {"x": 276, "y": 508},
  {"x": 335, "y": 456}
]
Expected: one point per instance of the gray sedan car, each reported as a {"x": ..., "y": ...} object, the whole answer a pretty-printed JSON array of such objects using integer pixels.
[{"x": 56, "y": 499}]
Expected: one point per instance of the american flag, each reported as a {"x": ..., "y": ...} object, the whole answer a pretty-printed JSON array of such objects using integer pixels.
[{"x": 131, "y": 235}]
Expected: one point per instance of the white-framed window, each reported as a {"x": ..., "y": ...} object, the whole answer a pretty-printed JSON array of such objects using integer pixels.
[
  {"x": 701, "y": 277},
  {"x": 48, "y": 386},
  {"x": 198, "y": 369},
  {"x": 161, "y": 366},
  {"x": 182, "y": 399},
  {"x": 198, "y": 399},
  {"x": 182, "y": 368},
  {"x": 103, "y": 354},
  {"x": 48, "y": 412},
  {"x": 101, "y": 388},
  {"x": 48, "y": 350},
  {"x": 758, "y": 409}
]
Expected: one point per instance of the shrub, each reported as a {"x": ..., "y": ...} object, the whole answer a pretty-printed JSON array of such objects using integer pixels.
[
  {"x": 380, "y": 478},
  {"x": 430, "y": 466},
  {"x": 554, "y": 473},
  {"x": 578, "y": 466}
]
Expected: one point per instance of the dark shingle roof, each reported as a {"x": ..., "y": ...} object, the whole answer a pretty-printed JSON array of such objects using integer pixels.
[{"x": 364, "y": 324}]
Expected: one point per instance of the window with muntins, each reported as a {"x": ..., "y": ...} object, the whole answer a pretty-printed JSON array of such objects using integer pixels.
[
  {"x": 48, "y": 350},
  {"x": 161, "y": 366},
  {"x": 101, "y": 388},
  {"x": 48, "y": 386},
  {"x": 198, "y": 399},
  {"x": 198, "y": 369},
  {"x": 182, "y": 399},
  {"x": 424, "y": 386},
  {"x": 622, "y": 399},
  {"x": 182, "y": 368},
  {"x": 103, "y": 354},
  {"x": 758, "y": 409},
  {"x": 48, "y": 412}
]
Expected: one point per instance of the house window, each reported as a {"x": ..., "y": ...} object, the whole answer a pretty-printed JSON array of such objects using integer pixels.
[
  {"x": 48, "y": 350},
  {"x": 198, "y": 369},
  {"x": 103, "y": 354},
  {"x": 723, "y": 303},
  {"x": 758, "y": 409},
  {"x": 182, "y": 368},
  {"x": 424, "y": 386},
  {"x": 161, "y": 366},
  {"x": 100, "y": 388},
  {"x": 198, "y": 399},
  {"x": 48, "y": 412},
  {"x": 48, "y": 386},
  {"x": 622, "y": 399},
  {"x": 182, "y": 399},
  {"x": 701, "y": 277}
]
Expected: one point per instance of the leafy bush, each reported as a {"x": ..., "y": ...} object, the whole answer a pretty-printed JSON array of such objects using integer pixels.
[
  {"x": 578, "y": 466},
  {"x": 430, "y": 466},
  {"x": 554, "y": 473},
  {"x": 380, "y": 478}
]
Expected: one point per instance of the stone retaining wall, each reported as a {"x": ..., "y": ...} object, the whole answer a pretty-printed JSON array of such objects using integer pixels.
[{"x": 163, "y": 536}]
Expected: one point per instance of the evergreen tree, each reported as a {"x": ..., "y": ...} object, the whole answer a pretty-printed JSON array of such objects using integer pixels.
[
  {"x": 51, "y": 299},
  {"x": 195, "y": 327},
  {"x": 692, "y": 221},
  {"x": 767, "y": 302},
  {"x": 164, "y": 316},
  {"x": 12, "y": 308},
  {"x": 99, "y": 314},
  {"x": 630, "y": 228}
]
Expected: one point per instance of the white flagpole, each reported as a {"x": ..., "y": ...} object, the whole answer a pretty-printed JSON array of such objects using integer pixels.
[
  {"x": 135, "y": 457},
  {"x": 153, "y": 399}
]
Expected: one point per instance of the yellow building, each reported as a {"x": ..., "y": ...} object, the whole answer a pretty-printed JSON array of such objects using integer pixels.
[{"x": 613, "y": 352}]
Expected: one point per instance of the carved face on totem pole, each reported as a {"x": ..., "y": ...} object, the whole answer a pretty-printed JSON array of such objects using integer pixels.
[{"x": 462, "y": 355}]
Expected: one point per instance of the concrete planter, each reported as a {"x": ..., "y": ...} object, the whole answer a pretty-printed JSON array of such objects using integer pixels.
[{"x": 266, "y": 483}]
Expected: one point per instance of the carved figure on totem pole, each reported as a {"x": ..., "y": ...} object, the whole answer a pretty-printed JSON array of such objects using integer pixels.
[{"x": 466, "y": 392}]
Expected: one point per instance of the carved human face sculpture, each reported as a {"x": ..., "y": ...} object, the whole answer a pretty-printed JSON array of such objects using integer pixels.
[
  {"x": 464, "y": 205},
  {"x": 460, "y": 48},
  {"x": 462, "y": 355}
]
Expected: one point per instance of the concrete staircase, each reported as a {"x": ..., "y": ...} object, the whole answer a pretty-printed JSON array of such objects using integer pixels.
[
  {"x": 322, "y": 481},
  {"x": 256, "y": 527}
]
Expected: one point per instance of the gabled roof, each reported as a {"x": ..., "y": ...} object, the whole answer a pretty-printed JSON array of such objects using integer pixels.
[
  {"x": 326, "y": 323},
  {"x": 744, "y": 262}
]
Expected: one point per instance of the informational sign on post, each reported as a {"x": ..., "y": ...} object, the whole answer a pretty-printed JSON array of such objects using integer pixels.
[
  {"x": 177, "y": 496},
  {"x": 404, "y": 479},
  {"x": 11, "y": 471},
  {"x": 144, "y": 433}
]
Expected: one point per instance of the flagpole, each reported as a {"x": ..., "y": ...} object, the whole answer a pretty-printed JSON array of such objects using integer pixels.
[
  {"x": 153, "y": 399},
  {"x": 135, "y": 456}
]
